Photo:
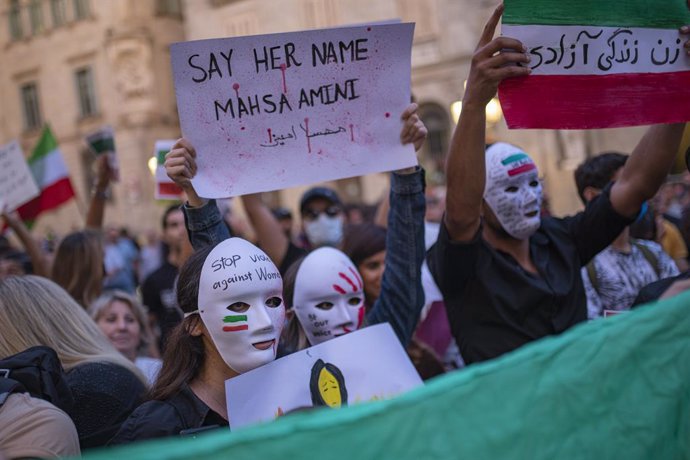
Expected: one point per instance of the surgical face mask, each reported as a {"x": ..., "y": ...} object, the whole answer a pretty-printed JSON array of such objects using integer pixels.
[
  {"x": 241, "y": 304},
  {"x": 513, "y": 191},
  {"x": 328, "y": 295},
  {"x": 324, "y": 230}
]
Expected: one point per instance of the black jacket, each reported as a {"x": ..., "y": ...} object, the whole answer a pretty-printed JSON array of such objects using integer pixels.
[{"x": 183, "y": 414}]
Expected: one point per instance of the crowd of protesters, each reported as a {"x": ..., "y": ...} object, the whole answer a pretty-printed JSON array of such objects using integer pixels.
[{"x": 126, "y": 326}]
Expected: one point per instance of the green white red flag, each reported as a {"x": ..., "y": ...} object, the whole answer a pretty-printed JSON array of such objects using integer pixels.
[
  {"x": 598, "y": 63},
  {"x": 166, "y": 189},
  {"x": 51, "y": 175}
]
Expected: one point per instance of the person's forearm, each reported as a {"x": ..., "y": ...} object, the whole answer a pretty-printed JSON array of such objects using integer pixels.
[
  {"x": 96, "y": 211},
  {"x": 40, "y": 265},
  {"x": 465, "y": 170},
  {"x": 269, "y": 235},
  {"x": 647, "y": 167}
]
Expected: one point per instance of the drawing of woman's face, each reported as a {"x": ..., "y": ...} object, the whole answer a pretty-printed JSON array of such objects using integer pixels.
[{"x": 329, "y": 295}]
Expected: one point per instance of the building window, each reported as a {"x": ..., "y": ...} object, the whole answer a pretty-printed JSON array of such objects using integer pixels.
[
  {"x": 36, "y": 16},
  {"x": 15, "y": 17},
  {"x": 32, "y": 112},
  {"x": 169, "y": 8},
  {"x": 81, "y": 9},
  {"x": 59, "y": 11},
  {"x": 85, "y": 92}
]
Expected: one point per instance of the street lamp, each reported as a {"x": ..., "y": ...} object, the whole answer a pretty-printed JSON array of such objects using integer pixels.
[{"x": 494, "y": 113}]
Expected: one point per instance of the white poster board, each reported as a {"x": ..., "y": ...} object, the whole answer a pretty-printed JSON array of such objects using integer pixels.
[
  {"x": 365, "y": 365},
  {"x": 17, "y": 184},
  {"x": 268, "y": 112}
]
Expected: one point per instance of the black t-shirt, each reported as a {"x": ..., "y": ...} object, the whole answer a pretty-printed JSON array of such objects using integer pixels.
[
  {"x": 158, "y": 293},
  {"x": 292, "y": 254},
  {"x": 495, "y": 306}
]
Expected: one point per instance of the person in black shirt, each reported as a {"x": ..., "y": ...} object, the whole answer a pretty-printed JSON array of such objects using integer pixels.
[
  {"x": 507, "y": 276},
  {"x": 158, "y": 290}
]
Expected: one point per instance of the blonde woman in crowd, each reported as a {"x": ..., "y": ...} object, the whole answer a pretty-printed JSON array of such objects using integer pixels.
[{"x": 105, "y": 385}]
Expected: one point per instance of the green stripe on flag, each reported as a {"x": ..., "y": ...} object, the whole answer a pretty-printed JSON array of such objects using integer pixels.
[
  {"x": 46, "y": 144},
  {"x": 610, "y": 388},
  {"x": 235, "y": 318},
  {"x": 102, "y": 145},
  {"x": 161, "y": 156},
  {"x": 514, "y": 158},
  {"x": 656, "y": 14}
]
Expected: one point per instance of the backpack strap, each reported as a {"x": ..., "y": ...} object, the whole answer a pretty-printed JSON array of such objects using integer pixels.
[
  {"x": 649, "y": 256},
  {"x": 8, "y": 386},
  {"x": 592, "y": 274}
]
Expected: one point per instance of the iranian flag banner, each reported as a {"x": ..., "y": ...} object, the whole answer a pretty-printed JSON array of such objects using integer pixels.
[
  {"x": 598, "y": 63},
  {"x": 50, "y": 172},
  {"x": 166, "y": 189}
]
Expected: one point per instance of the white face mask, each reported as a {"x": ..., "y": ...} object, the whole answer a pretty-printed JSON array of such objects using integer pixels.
[
  {"x": 513, "y": 191},
  {"x": 324, "y": 230},
  {"x": 329, "y": 295},
  {"x": 241, "y": 304}
]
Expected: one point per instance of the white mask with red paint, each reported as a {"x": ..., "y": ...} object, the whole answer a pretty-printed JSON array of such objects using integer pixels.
[
  {"x": 241, "y": 304},
  {"x": 513, "y": 190},
  {"x": 328, "y": 296}
]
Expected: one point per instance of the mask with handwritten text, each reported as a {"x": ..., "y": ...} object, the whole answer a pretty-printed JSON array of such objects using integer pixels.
[
  {"x": 513, "y": 190},
  {"x": 329, "y": 295},
  {"x": 241, "y": 304}
]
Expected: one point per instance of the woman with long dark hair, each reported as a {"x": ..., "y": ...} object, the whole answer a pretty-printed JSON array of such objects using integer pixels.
[{"x": 231, "y": 296}]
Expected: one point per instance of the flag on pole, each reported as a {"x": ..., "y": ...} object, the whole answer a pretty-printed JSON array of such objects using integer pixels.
[
  {"x": 598, "y": 63},
  {"x": 50, "y": 172}
]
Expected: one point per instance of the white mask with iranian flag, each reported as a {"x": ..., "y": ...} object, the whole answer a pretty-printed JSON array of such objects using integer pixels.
[
  {"x": 241, "y": 304},
  {"x": 328, "y": 296},
  {"x": 513, "y": 190}
]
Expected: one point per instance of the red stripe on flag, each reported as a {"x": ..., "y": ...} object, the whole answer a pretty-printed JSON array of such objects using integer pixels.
[
  {"x": 51, "y": 197},
  {"x": 521, "y": 169},
  {"x": 244, "y": 327},
  {"x": 595, "y": 101},
  {"x": 169, "y": 188}
]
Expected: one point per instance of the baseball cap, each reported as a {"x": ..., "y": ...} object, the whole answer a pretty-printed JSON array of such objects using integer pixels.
[{"x": 319, "y": 192}]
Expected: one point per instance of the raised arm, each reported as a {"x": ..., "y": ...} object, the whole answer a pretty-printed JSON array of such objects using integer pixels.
[
  {"x": 402, "y": 295},
  {"x": 493, "y": 61},
  {"x": 646, "y": 169},
  {"x": 38, "y": 262},
  {"x": 96, "y": 211},
  {"x": 202, "y": 218},
  {"x": 269, "y": 235}
]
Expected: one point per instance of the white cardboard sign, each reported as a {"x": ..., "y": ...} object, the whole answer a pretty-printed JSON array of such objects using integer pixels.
[
  {"x": 17, "y": 184},
  {"x": 365, "y": 365},
  {"x": 268, "y": 112}
]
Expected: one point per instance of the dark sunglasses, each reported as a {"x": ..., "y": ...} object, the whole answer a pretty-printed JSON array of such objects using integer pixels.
[{"x": 312, "y": 214}]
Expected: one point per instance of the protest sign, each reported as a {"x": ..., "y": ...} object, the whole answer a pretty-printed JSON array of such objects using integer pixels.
[
  {"x": 273, "y": 111},
  {"x": 598, "y": 64},
  {"x": 17, "y": 184},
  {"x": 166, "y": 189},
  {"x": 102, "y": 142},
  {"x": 365, "y": 365}
]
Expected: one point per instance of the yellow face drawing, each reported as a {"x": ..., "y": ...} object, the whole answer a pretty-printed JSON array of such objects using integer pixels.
[
  {"x": 327, "y": 385},
  {"x": 329, "y": 388}
]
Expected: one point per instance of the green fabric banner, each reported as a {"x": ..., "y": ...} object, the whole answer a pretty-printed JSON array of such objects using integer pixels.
[{"x": 614, "y": 388}]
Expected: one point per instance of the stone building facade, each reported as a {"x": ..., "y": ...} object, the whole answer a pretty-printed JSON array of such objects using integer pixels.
[{"x": 82, "y": 64}]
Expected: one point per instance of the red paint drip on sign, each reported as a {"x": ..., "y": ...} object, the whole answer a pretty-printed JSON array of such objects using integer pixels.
[{"x": 282, "y": 70}]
